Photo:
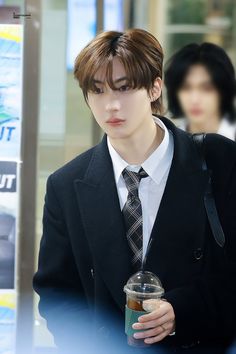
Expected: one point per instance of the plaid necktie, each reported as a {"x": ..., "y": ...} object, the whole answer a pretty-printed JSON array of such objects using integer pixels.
[{"x": 132, "y": 213}]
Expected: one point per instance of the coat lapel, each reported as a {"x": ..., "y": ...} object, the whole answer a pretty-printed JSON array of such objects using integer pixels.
[
  {"x": 102, "y": 218},
  {"x": 179, "y": 227}
]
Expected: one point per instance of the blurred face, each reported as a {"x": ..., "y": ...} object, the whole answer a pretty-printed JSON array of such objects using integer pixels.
[
  {"x": 198, "y": 97},
  {"x": 121, "y": 112}
]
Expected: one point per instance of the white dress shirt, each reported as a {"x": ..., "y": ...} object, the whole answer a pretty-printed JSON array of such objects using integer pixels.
[
  {"x": 226, "y": 128},
  {"x": 151, "y": 188}
]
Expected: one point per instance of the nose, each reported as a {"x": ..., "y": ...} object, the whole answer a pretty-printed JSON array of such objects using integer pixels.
[
  {"x": 195, "y": 97},
  {"x": 113, "y": 102}
]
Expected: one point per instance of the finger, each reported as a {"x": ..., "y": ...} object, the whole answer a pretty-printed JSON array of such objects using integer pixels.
[
  {"x": 167, "y": 326},
  {"x": 157, "y": 338},
  {"x": 154, "y": 323},
  {"x": 153, "y": 315},
  {"x": 157, "y": 314},
  {"x": 149, "y": 333},
  {"x": 163, "y": 308}
]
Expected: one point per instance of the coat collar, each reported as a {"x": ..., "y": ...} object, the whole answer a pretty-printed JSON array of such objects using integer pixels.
[
  {"x": 184, "y": 151},
  {"x": 102, "y": 218}
]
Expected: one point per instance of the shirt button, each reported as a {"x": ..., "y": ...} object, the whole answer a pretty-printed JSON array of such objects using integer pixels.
[{"x": 198, "y": 254}]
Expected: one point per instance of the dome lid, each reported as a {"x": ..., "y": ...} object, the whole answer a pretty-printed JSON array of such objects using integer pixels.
[{"x": 145, "y": 284}]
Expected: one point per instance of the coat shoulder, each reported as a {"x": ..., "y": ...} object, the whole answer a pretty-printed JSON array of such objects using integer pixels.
[
  {"x": 220, "y": 151},
  {"x": 220, "y": 155},
  {"x": 74, "y": 169}
]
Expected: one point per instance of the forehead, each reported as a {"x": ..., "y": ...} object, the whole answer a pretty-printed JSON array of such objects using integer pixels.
[
  {"x": 118, "y": 71},
  {"x": 197, "y": 74}
]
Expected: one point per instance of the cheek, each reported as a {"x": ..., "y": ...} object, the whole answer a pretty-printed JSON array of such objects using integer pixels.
[
  {"x": 138, "y": 102},
  {"x": 95, "y": 106},
  {"x": 184, "y": 99},
  {"x": 211, "y": 100}
]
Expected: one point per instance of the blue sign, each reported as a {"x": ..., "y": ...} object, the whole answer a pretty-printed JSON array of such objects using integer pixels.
[{"x": 10, "y": 90}]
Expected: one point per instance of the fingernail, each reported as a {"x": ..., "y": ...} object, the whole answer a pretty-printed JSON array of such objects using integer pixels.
[{"x": 136, "y": 326}]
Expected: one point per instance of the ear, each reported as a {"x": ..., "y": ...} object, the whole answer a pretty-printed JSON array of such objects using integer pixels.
[{"x": 155, "y": 91}]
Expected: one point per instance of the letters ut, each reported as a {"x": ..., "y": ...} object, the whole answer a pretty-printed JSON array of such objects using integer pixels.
[
  {"x": 6, "y": 181},
  {"x": 6, "y": 132}
]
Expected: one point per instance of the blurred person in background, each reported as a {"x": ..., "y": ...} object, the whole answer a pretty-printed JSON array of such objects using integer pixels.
[
  {"x": 142, "y": 185},
  {"x": 201, "y": 87}
]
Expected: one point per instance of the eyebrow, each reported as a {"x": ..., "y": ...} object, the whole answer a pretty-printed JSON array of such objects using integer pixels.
[{"x": 116, "y": 81}]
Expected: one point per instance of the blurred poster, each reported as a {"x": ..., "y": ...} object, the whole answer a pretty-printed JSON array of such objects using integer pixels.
[
  {"x": 11, "y": 60},
  {"x": 81, "y": 27},
  {"x": 8, "y": 213},
  {"x": 10, "y": 90},
  {"x": 82, "y": 23},
  {"x": 113, "y": 16},
  {"x": 7, "y": 321}
]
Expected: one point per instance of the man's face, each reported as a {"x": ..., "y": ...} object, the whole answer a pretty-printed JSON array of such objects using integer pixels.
[
  {"x": 198, "y": 97},
  {"x": 120, "y": 112}
]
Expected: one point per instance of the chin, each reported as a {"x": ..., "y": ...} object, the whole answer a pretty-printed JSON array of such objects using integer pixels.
[
  {"x": 197, "y": 119},
  {"x": 118, "y": 135}
]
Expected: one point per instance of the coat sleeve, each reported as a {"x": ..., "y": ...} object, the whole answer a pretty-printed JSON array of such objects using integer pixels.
[
  {"x": 205, "y": 309},
  {"x": 57, "y": 282}
]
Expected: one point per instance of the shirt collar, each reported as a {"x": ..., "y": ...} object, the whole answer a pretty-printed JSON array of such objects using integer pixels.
[
  {"x": 118, "y": 163},
  {"x": 226, "y": 129},
  {"x": 155, "y": 165}
]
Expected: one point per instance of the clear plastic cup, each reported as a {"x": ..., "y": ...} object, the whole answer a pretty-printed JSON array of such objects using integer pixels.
[{"x": 141, "y": 286}]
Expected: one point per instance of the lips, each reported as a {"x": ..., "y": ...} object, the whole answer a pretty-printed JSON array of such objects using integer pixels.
[
  {"x": 196, "y": 111},
  {"x": 115, "y": 120}
]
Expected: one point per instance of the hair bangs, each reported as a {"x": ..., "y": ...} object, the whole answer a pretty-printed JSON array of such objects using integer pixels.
[{"x": 138, "y": 51}]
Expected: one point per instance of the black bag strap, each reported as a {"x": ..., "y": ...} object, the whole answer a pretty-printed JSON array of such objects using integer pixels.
[{"x": 209, "y": 200}]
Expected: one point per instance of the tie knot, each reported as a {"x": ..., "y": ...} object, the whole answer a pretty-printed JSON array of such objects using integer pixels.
[{"x": 132, "y": 179}]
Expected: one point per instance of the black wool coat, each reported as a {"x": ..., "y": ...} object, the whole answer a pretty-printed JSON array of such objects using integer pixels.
[{"x": 85, "y": 261}]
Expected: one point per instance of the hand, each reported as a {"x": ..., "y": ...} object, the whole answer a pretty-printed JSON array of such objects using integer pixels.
[{"x": 158, "y": 324}]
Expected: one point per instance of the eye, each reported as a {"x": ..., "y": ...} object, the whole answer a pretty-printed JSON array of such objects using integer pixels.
[
  {"x": 208, "y": 87},
  {"x": 97, "y": 90},
  {"x": 185, "y": 87},
  {"x": 124, "y": 88}
]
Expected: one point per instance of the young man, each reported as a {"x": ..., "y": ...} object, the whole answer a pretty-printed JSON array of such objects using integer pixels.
[
  {"x": 143, "y": 181},
  {"x": 201, "y": 87}
]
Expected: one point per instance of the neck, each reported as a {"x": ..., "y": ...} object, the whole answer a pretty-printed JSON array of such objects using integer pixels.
[
  {"x": 137, "y": 148},
  {"x": 210, "y": 125}
]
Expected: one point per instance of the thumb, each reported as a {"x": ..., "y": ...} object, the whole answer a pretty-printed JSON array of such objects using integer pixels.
[{"x": 151, "y": 305}]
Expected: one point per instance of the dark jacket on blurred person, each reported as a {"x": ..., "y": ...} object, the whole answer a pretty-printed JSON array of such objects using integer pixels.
[{"x": 85, "y": 260}]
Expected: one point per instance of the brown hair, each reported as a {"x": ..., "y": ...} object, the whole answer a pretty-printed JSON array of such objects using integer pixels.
[{"x": 138, "y": 50}]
